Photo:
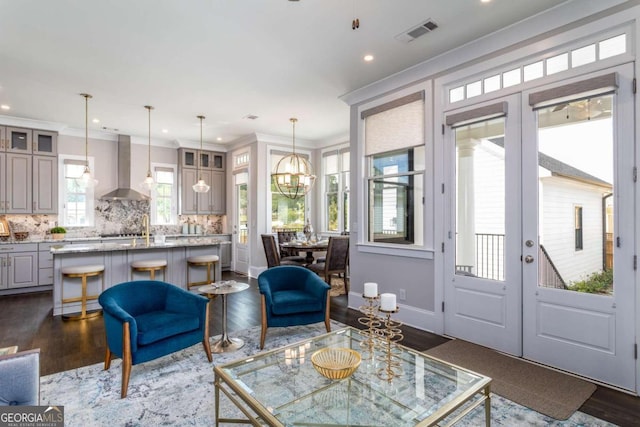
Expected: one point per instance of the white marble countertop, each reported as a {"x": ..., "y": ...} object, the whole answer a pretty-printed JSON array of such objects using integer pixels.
[
  {"x": 36, "y": 239},
  {"x": 110, "y": 247}
]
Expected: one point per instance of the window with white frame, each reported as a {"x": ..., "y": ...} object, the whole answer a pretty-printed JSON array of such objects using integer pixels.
[
  {"x": 395, "y": 150},
  {"x": 336, "y": 190},
  {"x": 164, "y": 199},
  {"x": 286, "y": 213},
  {"x": 76, "y": 201}
]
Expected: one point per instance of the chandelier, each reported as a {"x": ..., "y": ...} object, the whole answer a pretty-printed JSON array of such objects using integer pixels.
[
  {"x": 294, "y": 174},
  {"x": 86, "y": 180},
  {"x": 148, "y": 181},
  {"x": 200, "y": 186}
]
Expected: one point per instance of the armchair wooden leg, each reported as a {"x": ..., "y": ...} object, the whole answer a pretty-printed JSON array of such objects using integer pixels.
[
  {"x": 205, "y": 339},
  {"x": 107, "y": 358},
  {"x": 126, "y": 359},
  {"x": 327, "y": 318},
  {"x": 263, "y": 332}
]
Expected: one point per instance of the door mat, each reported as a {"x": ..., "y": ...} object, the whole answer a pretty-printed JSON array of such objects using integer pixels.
[{"x": 544, "y": 390}]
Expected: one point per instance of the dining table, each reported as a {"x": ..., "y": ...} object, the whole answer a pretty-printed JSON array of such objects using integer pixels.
[{"x": 307, "y": 246}]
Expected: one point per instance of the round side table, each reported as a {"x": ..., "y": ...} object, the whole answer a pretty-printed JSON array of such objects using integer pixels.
[{"x": 224, "y": 343}]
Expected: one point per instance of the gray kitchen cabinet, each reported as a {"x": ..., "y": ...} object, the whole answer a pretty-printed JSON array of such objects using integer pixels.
[
  {"x": 218, "y": 193},
  {"x": 28, "y": 183},
  {"x": 18, "y": 179},
  {"x": 188, "y": 197},
  {"x": 225, "y": 252},
  {"x": 19, "y": 265},
  {"x": 16, "y": 140},
  {"x": 210, "y": 166},
  {"x": 45, "y": 263},
  {"x": 45, "y": 185},
  {"x": 45, "y": 143}
]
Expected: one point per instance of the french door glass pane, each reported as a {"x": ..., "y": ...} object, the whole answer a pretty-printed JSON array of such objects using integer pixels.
[
  {"x": 575, "y": 197},
  {"x": 480, "y": 199},
  {"x": 243, "y": 215}
]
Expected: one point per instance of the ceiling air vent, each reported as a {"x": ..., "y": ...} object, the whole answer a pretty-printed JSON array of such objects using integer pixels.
[{"x": 420, "y": 30}]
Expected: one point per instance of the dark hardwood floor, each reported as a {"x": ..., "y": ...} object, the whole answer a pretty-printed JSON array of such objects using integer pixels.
[{"x": 27, "y": 322}]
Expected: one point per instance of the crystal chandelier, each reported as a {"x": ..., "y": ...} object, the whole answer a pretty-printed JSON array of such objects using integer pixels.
[
  {"x": 200, "y": 186},
  {"x": 294, "y": 174},
  {"x": 86, "y": 179},
  {"x": 148, "y": 182}
]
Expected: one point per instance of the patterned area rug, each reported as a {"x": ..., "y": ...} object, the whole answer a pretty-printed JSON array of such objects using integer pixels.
[{"x": 178, "y": 390}]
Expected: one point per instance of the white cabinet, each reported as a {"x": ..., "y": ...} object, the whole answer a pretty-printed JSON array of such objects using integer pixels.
[
  {"x": 19, "y": 266},
  {"x": 45, "y": 185}
]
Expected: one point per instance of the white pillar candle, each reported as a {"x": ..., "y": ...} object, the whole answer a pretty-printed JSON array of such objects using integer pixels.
[
  {"x": 371, "y": 289},
  {"x": 388, "y": 302}
]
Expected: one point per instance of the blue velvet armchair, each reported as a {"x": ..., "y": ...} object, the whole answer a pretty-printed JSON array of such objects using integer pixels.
[
  {"x": 292, "y": 295},
  {"x": 148, "y": 319}
]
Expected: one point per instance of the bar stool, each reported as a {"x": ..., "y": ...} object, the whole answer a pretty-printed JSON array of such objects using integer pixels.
[
  {"x": 151, "y": 265},
  {"x": 208, "y": 261},
  {"x": 82, "y": 272}
]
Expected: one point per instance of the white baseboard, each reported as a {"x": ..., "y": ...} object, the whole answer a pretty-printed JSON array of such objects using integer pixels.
[{"x": 411, "y": 316}]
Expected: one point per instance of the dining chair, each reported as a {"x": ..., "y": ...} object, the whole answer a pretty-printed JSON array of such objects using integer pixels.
[
  {"x": 337, "y": 261},
  {"x": 290, "y": 254},
  {"x": 271, "y": 252}
]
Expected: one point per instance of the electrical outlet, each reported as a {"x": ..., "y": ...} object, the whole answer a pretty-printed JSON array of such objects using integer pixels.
[{"x": 402, "y": 294}]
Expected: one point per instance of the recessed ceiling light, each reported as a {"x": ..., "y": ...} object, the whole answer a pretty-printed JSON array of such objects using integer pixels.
[
  {"x": 96, "y": 120},
  {"x": 219, "y": 138},
  {"x": 485, "y": 1},
  {"x": 165, "y": 130},
  {"x": 368, "y": 58},
  {"x": 5, "y": 107}
]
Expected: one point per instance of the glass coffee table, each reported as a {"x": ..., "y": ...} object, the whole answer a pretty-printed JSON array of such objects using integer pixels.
[{"x": 282, "y": 388}]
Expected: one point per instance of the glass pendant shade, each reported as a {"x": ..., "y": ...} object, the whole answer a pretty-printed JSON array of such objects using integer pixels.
[
  {"x": 294, "y": 175},
  {"x": 87, "y": 180},
  {"x": 200, "y": 186}
]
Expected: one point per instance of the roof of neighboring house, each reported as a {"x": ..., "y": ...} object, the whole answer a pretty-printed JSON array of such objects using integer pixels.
[{"x": 558, "y": 168}]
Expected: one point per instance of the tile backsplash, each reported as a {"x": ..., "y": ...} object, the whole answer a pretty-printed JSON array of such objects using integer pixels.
[{"x": 114, "y": 217}]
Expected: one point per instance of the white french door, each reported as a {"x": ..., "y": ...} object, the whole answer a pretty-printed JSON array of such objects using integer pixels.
[
  {"x": 483, "y": 280},
  {"x": 539, "y": 260},
  {"x": 241, "y": 222},
  {"x": 579, "y": 228}
]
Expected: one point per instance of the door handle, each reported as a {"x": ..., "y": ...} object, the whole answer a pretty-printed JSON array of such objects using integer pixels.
[{"x": 528, "y": 259}]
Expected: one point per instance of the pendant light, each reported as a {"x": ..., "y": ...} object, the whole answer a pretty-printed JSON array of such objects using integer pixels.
[
  {"x": 294, "y": 174},
  {"x": 200, "y": 186},
  {"x": 148, "y": 182},
  {"x": 87, "y": 180}
]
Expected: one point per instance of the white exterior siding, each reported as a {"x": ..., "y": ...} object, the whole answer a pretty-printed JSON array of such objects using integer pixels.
[{"x": 559, "y": 198}]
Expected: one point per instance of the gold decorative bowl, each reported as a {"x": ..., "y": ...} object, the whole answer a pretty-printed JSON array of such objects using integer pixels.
[{"x": 336, "y": 363}]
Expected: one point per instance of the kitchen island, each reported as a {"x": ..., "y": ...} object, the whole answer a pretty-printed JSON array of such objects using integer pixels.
[{"x": 117, "y": 258}]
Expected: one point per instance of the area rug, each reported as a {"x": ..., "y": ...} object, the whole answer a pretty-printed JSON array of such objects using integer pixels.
[
  {"x": 178, "y": 390},
  {"x": 544, "y": 390}
]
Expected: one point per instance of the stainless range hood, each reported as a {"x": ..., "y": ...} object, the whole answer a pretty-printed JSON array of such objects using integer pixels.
[{"x": 124, "y": 190}]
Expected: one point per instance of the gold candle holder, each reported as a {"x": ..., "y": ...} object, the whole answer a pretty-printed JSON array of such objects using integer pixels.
[
  {"x": 391, "y": 334},
  {"x": 372, "y": 323}
]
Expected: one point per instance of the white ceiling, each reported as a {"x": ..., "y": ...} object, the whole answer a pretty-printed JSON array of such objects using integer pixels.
[{"x": 224, "y": 59}]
